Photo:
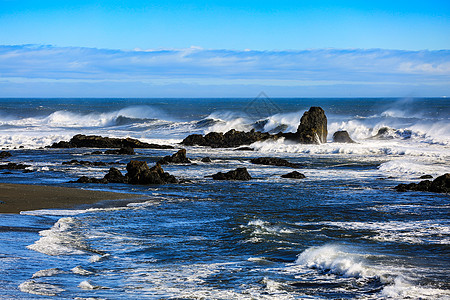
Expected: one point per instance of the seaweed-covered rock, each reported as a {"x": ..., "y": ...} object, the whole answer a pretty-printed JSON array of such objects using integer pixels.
[
  {"x": 342, "y": 137},
  {"x": 313, "y": 127},
  {"x": 294, "y": 175},
  {"x": 177, "y": 158},
  {"x": 206, "y": 160},
  {"x": 238, "y": 174},
  {"x": 440, "y": 185},
  {"x": 140, "y": 173},
  {"x": 273, "y": 161},
  {"x": 94, "y": 141}
]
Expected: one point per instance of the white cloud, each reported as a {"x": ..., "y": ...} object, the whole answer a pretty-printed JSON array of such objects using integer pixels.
[{"x": 196, "y": 66}]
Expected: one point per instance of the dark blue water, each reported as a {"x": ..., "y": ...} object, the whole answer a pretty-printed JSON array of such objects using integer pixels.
[{"x": 341, "y": 233}]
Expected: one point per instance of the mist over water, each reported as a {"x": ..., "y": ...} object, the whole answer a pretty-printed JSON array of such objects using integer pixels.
[{"x": 341, "y": 233}]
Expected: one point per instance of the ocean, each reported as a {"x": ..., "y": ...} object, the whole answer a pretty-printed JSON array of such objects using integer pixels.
[{"x": 343, "y": 232}]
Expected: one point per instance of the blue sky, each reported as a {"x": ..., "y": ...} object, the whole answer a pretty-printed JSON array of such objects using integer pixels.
[{"x": 224, "y": 48}]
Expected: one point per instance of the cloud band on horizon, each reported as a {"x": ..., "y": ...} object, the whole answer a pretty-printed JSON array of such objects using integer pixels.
[{"x": 48, "y": 71}]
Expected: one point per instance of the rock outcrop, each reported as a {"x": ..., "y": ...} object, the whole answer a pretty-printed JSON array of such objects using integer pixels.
[
  {"x": 230, "y": 139},
  {"x": 140, "y": 173},
  {"x": 206, "y": 160},
  {"x": 115, "y": 176},
  {"x": 312, "y": 130},
  {"x": 5, "y": 154},
  {"x": 177, "y": 158},
  {"x": 273, "y": 161},
  {"x": 440, "y": 185},
  {"x": 238, "y": 174},
  {"x": 313, "y": 127},
  {"x": 342, "y": 137},
  {"x": 94, "y": 141},
  {"x": 75, "y": 162},
  {"x": 294, "y": 175}
]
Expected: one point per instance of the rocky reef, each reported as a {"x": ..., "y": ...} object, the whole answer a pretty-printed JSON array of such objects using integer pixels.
[
  {"x": 95, "y": 141},
  {"x": 312, "y": 130},
  {"x": 440, "y": 185}
]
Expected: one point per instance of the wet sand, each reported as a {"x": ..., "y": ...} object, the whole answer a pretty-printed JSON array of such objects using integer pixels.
[{"x": 15, "y": 198}]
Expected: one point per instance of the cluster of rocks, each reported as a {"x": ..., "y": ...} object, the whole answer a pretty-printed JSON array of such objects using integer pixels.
[
  {"x": 13, "y": 166},
  {"x": 312, "y": 130},
  {"x": 138, "y": 172},
  {"x": 273, "y": 161},
  {"x": 439, "y": 185},
  {"x": 94, "y": 141}
]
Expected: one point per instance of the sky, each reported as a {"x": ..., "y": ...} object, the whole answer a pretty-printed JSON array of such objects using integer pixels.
[{"x": 224, "y": 48}]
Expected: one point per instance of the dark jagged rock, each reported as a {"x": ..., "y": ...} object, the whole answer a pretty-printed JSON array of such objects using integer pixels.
[
  {"x": 140, "y": 173},
  {"x": 342, "y": 137},
  {"x": 230, "y": 139},
  {"x": 94, "y": 141},
  {"x": 13, "y": 166},
  {"x": 440, "y": 185},
  {"x": 177, "y": 158},
  {"x": 426, "y": 177},
  {"x": 313, "y": 127},
  {"x": 206, "y": 160},
  {"x": 115, "y": 176},
  {"x": 294, "y": 175},
  {"x": 312, "y": 130},
  {"x": 122, "y": 151},
  {"x": 238, "y": 174},
  {"x": 86, "y": 163},
  {"x": 85, "y": 179},
  {"x": 5, "y": 154},
  {"x": 273, "y": 161}
]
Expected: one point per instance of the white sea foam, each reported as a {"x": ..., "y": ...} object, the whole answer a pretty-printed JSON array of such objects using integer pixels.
[
  {"x": 40, "y": 288},
  {"x": 412, "y": 167},
  {"x": 339, "y": 261},
  {"x": 48, "y": 272},
  {"x": 62, "y": 239},
  {"x": 80, "y": 271},
  {"x": 87, "y": 285}
]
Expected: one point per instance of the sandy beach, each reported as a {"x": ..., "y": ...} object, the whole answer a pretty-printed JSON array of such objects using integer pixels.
[{"x": 15, "y": 198}]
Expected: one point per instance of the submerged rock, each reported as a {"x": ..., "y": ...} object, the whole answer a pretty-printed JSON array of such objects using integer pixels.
[
  {"x": 5, "y": 154},
  {"x": 238, "y": 174},
  {"x": 294, "y": 175},
  {"x": 14, "y": 166},
  {"x": 85, "y": 179},
  {"x": 94, "y": 141},
  {"x": 86, "y": 163},
  {"x": 177, "y": 158},
  {"x": 440, "y": 185},
  {"x": 206, "y": 160},
  {"x": 342, "y": 137},
  {"x": 273, "y": 161},
  {"x": 127, "y": 150}
]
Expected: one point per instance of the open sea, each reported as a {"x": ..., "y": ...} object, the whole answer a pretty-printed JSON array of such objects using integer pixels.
[{"x": 341, "y": 233}]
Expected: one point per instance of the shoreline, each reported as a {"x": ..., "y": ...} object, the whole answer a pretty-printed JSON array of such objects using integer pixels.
[{"x": 15, "y": 198}]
